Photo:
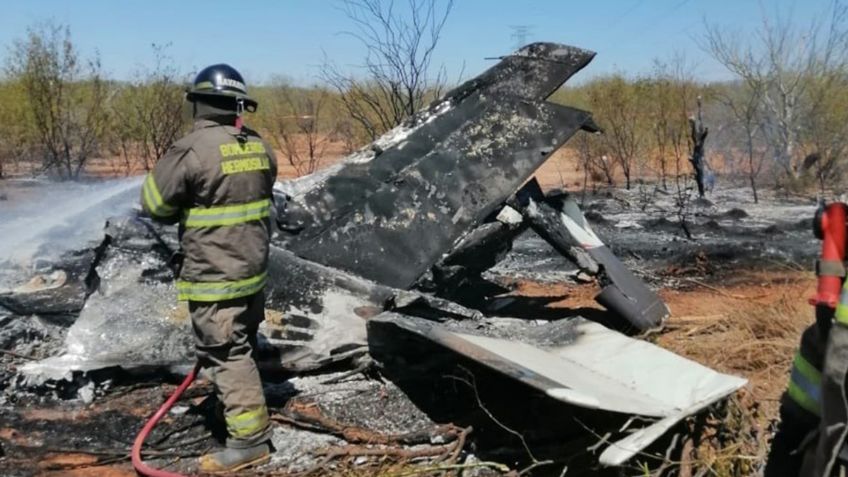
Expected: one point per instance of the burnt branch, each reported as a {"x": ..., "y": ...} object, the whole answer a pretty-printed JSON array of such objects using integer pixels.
[
  {"x": 398, "y": 78},
  {"x": 67, "y": 98}
]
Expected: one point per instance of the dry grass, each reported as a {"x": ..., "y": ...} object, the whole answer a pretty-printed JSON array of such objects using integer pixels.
[{"x": 756, "y": 338}]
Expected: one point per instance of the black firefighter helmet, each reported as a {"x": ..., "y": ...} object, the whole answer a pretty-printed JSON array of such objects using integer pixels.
[{"x": 219, "y": 82}]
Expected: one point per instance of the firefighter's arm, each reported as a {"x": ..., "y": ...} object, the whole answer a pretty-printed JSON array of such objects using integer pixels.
[
  {"x": 165, "y": 190},
  {"x": 272, "y": 160}
]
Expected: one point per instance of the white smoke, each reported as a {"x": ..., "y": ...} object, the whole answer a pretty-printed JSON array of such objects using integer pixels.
[{"x": 43, "y": 217}]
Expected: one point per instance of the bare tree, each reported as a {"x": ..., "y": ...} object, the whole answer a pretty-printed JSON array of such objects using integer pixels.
[
  {"x": 697, "y": 138},
  {"x": 616, "y": 104},
  {"x": 781, "y": 65},
  {"x": 671, "y": 92},
  {"x": 682, "y": 204},
  {"x": 66, "y": 96},
  {"x": 825, "y": 132},
  {"x": 400, "y": 38},
  {"x": 744, "y": 103},
  {"x": 17, "y": 137},
  {"x": 662, "y": 119},
  {"x": 298, "y": 123},
  {"x": 150, "y": 111},
  {"x": 596, "y": 165}
]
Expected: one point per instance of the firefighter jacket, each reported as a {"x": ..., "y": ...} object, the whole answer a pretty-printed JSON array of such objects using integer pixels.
[{"x": 217, "y": 182}]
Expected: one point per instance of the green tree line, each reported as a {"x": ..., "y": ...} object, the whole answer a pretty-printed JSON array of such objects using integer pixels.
[
  {"x": 782, "y": 120},
  {"x": 60, "y": 111}
]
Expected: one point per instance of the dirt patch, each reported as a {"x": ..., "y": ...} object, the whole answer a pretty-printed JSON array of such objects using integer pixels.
[
  {"x": 561, "y": 171},
  {"x": 18, "y": 438},
  {"x": 561, "y": 295},
  {"x": 79, "y": 465},
  {"x": 50, "y": 415},
  {"x": 287, "y": 167}
]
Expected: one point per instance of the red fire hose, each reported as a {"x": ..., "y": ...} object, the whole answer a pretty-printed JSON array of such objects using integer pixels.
[{"x": 140, "y": 467}]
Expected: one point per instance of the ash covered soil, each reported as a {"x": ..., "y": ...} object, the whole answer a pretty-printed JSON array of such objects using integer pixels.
[
  {"x": 744, "y": 265},
  {"x": 642, "y": 227}
]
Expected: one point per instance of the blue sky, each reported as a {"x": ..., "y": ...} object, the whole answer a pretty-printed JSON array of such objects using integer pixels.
[{"x": 290, "y": 37}]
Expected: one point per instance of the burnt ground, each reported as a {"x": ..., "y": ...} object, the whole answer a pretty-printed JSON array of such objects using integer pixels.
[{"x": 737, "y": 290}]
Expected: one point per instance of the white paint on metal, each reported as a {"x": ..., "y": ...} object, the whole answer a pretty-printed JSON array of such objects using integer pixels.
[
  {"x": 583, "y": 233},
  {"x": 604, "y": 369},
  {"x": 574, "y": 397},
  {"x": 509, "y": 216}
]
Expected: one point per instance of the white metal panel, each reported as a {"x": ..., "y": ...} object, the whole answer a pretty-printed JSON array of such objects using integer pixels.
[{"x": 607, "y": 370}]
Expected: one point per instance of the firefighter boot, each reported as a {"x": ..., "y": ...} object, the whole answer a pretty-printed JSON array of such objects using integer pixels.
[{"x": 234, "y": 459}]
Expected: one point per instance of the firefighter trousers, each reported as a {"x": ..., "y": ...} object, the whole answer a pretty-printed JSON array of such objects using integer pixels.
[
  {"x": 800, "y": 408},
  {"x": 832, "y": 428},
  {"x": 225, "y": 337}
]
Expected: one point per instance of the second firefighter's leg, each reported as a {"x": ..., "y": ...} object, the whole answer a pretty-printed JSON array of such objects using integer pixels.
[
  {"x": 833, "y": 429},
  {"x": 223, "y": 334},
  {"x": 800, "y": 407}
]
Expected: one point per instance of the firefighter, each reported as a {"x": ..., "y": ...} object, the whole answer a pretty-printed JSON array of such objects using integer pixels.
[
  {"x": 217, "y": 182},
  {"x": 830, "y": 456},
  {"x": 811, "y": 439}
]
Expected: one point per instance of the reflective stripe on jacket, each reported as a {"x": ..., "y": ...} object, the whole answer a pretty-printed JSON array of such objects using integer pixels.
[
  {"x": 217, "y": 182},
  {"x": 841, "y": 314},
  {"x": 805, "y": 380},
  {"x": 805, "y": 385}
]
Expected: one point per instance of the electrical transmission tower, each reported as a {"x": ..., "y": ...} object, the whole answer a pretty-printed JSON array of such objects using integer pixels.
[{"x": 520, "y": 34}]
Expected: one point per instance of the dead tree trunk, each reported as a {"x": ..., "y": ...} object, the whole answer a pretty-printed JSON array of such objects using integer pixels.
[
  {"x": 698, "y": 137},
  {"x": 752, "y": 170}
]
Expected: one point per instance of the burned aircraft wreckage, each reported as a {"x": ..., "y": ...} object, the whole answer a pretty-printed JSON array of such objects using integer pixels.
[{"x": 372, "y": 253}]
